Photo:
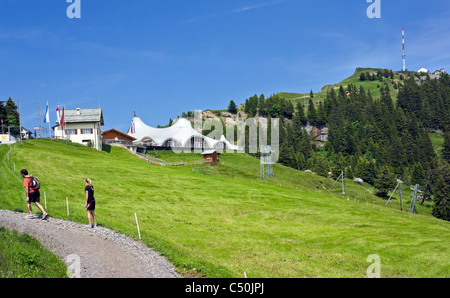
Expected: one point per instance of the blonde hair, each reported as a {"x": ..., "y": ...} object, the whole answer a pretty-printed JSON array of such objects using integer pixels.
[{"x": 89, "y": 182}]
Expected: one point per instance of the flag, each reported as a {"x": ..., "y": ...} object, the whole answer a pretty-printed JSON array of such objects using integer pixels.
[
  {"x": 132, "y": 127},
  {"x": 62, "y": 118},
  {"x": 58, "y": 115},
  {"x": 47, "y": 115}
]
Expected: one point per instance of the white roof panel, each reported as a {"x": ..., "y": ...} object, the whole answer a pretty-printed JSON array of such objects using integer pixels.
[{"x": 181, "y": 131}]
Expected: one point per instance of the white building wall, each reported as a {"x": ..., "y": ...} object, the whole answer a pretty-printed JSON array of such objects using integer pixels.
[{"x": 82, "y": 133}]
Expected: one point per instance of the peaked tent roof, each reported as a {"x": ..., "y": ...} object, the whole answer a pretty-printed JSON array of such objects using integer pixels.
[
  {"x": 423, "y": 70},
  {"x": 181, "y": 131}
]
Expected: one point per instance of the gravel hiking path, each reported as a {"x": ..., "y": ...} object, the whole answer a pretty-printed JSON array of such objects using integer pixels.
[{"x": 102, "y": 252}]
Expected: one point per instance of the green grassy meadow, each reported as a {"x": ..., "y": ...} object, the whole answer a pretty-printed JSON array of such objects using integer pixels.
[
  {"x": 437, "y": 140},
  {"x": 22, "y": 256},
  {"x": 373, "y": 86},
  {"x": 223, "y": 220}
]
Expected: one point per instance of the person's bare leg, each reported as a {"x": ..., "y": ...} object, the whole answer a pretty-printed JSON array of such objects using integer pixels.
[
  {"x": 95, "y": 219},
  {"x": 40, "y": 207},
  {"x": 29, "y": 208},
  {"x": 89, "y": 217}
]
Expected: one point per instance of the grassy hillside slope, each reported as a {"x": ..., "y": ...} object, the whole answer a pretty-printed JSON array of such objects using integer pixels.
[
  {"x": 373, "y": 86},
  {"x": 22, "y": 256},
  {"x": 223, "y": 221}
]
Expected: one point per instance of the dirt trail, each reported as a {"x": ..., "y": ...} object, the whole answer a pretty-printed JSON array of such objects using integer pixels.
[{"x": 101, "y": 252}]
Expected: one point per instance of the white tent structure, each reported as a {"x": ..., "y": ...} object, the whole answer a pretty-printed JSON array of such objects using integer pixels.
[
  {"x": 423, "y": 70},
  {"x": 179, "y": 135}
]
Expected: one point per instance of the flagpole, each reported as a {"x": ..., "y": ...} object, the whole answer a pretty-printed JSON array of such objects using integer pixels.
[
  {"x": 39, "y": 123},
  {"x": 47, "y": 119},
  {"x": 64, "y": 122},
  {"x": 57, "y": 120},
  {"x": 60, "y": 126}
]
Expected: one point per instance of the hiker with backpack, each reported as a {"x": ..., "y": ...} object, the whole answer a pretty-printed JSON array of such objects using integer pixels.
[{"x": 32, "y": 187}]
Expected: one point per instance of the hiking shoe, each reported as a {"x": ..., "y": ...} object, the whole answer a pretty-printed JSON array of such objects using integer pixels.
[{"x": 45, "y": 216}]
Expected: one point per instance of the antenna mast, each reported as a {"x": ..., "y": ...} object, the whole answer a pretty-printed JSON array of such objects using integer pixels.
[{"x": 403, "y": 44}]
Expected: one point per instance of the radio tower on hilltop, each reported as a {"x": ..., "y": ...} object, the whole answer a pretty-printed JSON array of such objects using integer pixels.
[{"x": 403, "y": 43}]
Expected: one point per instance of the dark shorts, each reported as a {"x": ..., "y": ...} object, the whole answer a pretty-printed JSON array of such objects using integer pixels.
[
  {"x": 90, "y": 206},
  {"x": 34, "y": 197}
]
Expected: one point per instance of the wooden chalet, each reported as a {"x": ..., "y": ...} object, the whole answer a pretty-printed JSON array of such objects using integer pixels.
[
  {"x": 118, "y": 136},
  {"x": 211, "y": 156}
]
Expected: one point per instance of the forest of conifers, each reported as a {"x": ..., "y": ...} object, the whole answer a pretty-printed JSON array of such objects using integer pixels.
[{"x": 377, "y": 140}]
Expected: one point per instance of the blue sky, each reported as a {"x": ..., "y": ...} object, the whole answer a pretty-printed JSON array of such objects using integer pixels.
[{"x": 161, "y": 58}]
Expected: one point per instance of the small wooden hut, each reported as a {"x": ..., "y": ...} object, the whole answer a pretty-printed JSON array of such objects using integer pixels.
[{"x": 211, "y": 156}]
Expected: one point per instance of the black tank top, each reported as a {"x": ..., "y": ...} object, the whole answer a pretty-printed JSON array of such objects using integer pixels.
[{"x": 90, "y": 190}]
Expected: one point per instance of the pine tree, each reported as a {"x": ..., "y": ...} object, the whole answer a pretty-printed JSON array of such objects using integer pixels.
[
  {"x": 312, "y": 113},
  {"x": 418, "y": 175},
  {"x": 305, "y": 146},
  {"x": 232, "y": 107},
  {"x": 253, "y": 105},
  {"x": 338, "y": 165},
  {"x": 247, "y": 106},
  {"x": 287, "y": 156},
  {"x": 349, "y": 173},
  {"x": 3, "y": 116},
  {"x": 298, "y": 127},
  {"x": 321, "y": 166},
  {"x": 362, "y": 77},
  {"x": 426, "y": 150},
  {"x": 384, "y": 182},
  {"x": 301, "y": 114},
  {"x": 12, "y": 117},
  {"x": 286, "y": 108},
  {"x": 300, "y": 161},
  {"x": 366, "y": 170},
  {"x": 275, "y": 111},
  {"x": 321, "y": 116},
  {"x": 441, "y": 190},
  {"x": 446, "y": 146},
  {"x": 262, "y": 107},
  {"x": 397, "y": 156}
]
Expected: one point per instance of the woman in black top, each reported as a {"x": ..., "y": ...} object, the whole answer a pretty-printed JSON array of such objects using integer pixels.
[{"x": 90, "y": 203}]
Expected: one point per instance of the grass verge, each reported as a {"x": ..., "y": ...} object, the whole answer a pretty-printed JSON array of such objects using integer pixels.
[
  {"x": 223, "y": 221},
  {"x": 22, "y": 256}
]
